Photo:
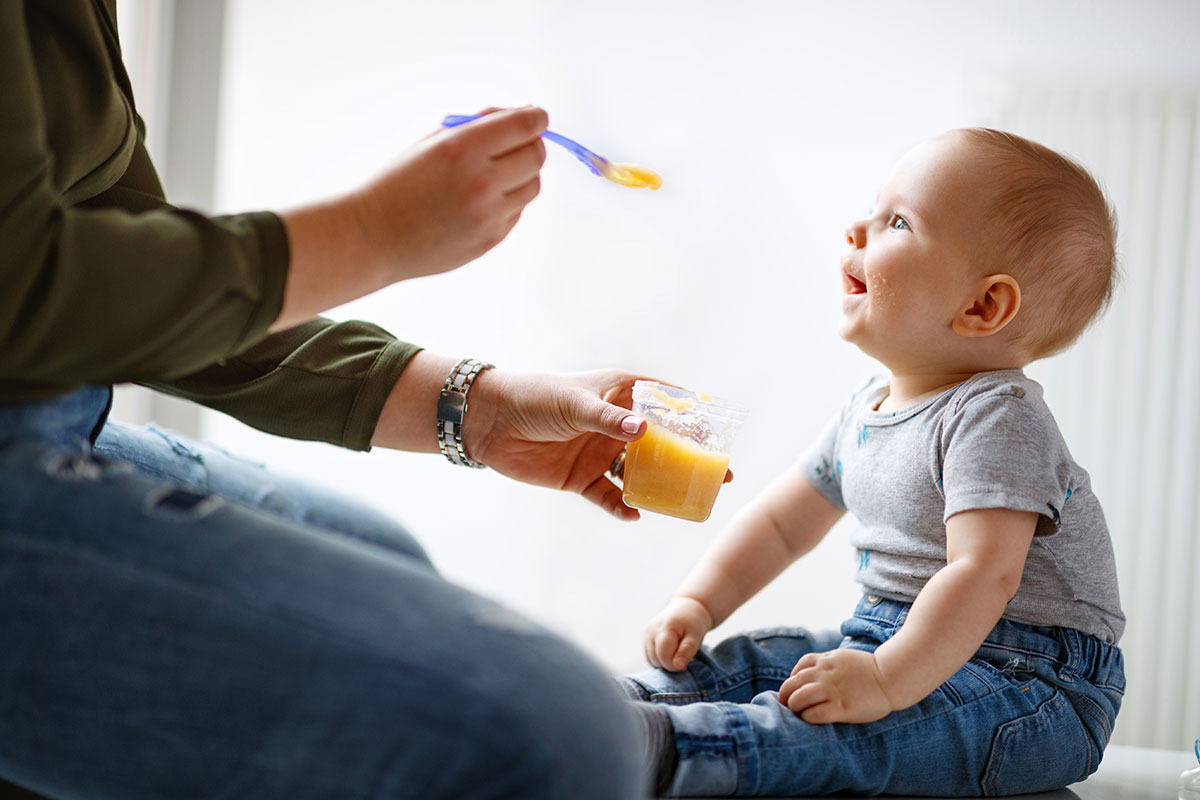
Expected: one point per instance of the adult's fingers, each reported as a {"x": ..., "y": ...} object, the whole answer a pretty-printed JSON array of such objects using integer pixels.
[
  {"x": 517, "y": 168},
  {"x": 605, "y": 494},
  {"x": 522, "y": 195},
  {"x": 504, "y": 131},
  {"x": 590, "y": 414}
]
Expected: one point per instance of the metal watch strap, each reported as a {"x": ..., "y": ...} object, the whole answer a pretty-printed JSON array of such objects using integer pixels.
[{"x": 452, "y": 408}]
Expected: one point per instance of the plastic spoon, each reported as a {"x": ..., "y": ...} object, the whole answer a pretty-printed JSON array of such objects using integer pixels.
[{"x": 633, "y": 175}]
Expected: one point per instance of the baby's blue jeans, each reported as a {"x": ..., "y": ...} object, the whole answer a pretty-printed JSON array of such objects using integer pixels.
[
  {"x": 178, "y": 623},
  {"x": 1032, "y": 711}
]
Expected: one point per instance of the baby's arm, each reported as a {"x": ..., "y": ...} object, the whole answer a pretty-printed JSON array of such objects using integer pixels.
[
  {"x": 783, "y": 523},
  {"x": 951, "y": 616}
]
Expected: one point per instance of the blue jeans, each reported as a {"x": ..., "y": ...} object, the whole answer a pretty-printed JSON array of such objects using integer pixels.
[
  {"x": 178, "y": 623},
  {"x": 1032, "y": 711}
]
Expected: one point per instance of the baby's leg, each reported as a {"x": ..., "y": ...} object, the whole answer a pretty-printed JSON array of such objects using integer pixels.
[
  {"x": 735, "y": 670},
  {"x": 981, "y": 733},
  {"x": 1032, "y": 712}
]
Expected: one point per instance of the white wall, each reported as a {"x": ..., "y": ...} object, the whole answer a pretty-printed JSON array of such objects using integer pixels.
[{"x": 772, "y": 123}]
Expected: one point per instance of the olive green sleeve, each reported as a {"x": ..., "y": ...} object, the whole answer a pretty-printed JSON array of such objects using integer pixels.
[
  {"x": 322, "y": 380},
  {"x": 99, "y": 295},
  {"x": 105, "y": 282}
]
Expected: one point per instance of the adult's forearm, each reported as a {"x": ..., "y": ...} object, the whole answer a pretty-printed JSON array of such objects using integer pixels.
[
  {"x": 331, "y": 260},
  {"x": 449, "y": 200},
  {"x": 409, "y": 417}
]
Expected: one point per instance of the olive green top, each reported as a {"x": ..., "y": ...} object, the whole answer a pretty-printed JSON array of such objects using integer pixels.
[{"x": 104, "y": 281}]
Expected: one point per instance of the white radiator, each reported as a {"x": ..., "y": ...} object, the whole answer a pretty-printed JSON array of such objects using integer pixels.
[{"x": 1128, "y": 394}]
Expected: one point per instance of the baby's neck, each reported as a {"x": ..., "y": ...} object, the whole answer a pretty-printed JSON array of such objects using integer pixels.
[{"x": 908, "y": 389}]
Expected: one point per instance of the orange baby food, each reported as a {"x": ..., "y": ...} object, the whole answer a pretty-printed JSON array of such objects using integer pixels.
[
  {"x": 670, "y": 474},
  {"x": 634, "y": 175}
]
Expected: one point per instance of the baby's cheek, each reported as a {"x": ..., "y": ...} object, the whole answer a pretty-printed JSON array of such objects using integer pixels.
[{"x": 878, "y": 286}]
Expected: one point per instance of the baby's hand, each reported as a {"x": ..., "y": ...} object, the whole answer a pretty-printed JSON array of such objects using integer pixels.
[
  {"x": 674, "y": 635},
  {"x": 836, "y": 686}
]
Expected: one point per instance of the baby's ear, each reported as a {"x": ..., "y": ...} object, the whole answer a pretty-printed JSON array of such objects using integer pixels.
[{"x": 994, "y": 304}]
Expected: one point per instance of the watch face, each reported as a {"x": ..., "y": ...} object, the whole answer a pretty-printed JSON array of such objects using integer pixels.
[{"x": 451, "y": 405}]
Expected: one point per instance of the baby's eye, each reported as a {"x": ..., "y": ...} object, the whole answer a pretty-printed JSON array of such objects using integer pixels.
[{"x": 898, "y": 223}]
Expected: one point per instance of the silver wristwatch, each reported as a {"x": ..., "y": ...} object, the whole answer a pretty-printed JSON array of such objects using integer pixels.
[{"x": 452, "y": 408}]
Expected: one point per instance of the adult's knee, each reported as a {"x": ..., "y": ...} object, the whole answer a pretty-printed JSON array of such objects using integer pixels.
[{"x": 547, "y": 723}]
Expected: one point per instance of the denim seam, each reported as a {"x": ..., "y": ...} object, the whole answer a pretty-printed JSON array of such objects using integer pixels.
[
  {"x": 1090, "y": 707},
  {"x": 743, "y": 745},
  {"x": 656, "y": 696},
  {"x": 749, "y": 675},
  {"x": 999, "y": 746}
]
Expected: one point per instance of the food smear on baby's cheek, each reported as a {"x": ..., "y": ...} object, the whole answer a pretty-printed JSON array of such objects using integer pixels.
[{"x": 633, "y": 175}]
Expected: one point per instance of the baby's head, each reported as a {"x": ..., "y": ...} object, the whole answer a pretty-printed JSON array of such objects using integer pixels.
[
  {"x": 1052, "y": 230},
  {"x": 988, "y": 249}
]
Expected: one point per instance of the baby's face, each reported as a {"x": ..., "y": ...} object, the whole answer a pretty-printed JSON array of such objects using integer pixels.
[{"x": 910, "y": 266}]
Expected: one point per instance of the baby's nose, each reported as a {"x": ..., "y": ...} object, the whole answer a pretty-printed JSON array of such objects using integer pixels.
[{"x": 856, "y": 234}]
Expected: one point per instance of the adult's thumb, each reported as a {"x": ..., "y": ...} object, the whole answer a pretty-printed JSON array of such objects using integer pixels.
[{"x": 597, "y": 416}]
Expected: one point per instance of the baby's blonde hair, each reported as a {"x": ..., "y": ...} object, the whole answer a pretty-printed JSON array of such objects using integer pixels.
[{"x": 1057, "y": 233}]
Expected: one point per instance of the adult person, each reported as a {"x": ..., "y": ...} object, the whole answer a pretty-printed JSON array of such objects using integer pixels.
[{"x": 180, "y": 623}]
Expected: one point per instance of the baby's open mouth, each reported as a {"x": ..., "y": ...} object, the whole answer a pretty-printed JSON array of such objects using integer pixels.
[{"x": 853, "y": 284}]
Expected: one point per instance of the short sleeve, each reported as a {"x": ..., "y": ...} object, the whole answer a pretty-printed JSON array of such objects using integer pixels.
[
  {"x": 820, "y": 464},
  {"x": 1002, "y": 449}
]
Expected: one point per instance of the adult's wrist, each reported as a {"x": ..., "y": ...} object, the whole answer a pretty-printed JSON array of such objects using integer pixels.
[
  {"x": 478, "y": 424},
  {"x": 452, "y": 408}
]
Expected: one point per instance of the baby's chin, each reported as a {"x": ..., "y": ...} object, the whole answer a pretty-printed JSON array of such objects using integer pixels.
[{"x": 847, "y": 331}]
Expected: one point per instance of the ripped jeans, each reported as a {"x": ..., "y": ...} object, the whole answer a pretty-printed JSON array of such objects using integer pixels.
[
  {"x": 179, "y": 623},
  {"x": 1032, "y": 711}
]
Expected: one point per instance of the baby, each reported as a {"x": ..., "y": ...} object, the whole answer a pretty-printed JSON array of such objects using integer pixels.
[{"x": 982, "y": 658}]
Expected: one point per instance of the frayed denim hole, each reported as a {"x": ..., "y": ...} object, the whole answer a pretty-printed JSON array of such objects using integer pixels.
[
  {"x": 85, "y": 467},
  {"x": 75, "y": 467},
  {"x": 179, "y": 503},
  {"x": 177, "y": 445}
]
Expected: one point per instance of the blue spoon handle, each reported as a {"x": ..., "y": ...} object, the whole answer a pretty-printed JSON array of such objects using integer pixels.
[{"x": 589, "y": 159}]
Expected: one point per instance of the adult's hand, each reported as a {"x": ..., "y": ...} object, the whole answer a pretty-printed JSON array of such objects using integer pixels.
[
  {"x": 559, "y": 431},
  {"x": 450, "y": 199}
]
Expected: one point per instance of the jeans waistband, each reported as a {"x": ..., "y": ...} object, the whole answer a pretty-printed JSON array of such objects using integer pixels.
[
  {"x": 66, "y": 419},
  {"x": 1070, "y": 654}
]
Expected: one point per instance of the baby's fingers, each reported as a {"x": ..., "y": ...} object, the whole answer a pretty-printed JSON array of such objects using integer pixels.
[
  {"x": 806, "y": 660},
  {"x": 687, "y": 648},
  {"x": 665, "y": 646},
  {"x": 650, "y": 644},
  {"x": 806, "y": 696}
]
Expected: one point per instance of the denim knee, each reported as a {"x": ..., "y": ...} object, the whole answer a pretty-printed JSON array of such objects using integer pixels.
[{"x": 545, "y": 722}]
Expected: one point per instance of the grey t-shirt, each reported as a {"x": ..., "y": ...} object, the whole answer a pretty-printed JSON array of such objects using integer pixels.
[{"x": 989, "y": 442}]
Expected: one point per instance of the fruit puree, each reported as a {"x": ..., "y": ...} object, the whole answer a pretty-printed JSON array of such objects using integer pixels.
[{"x": 671, "y": 474}]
